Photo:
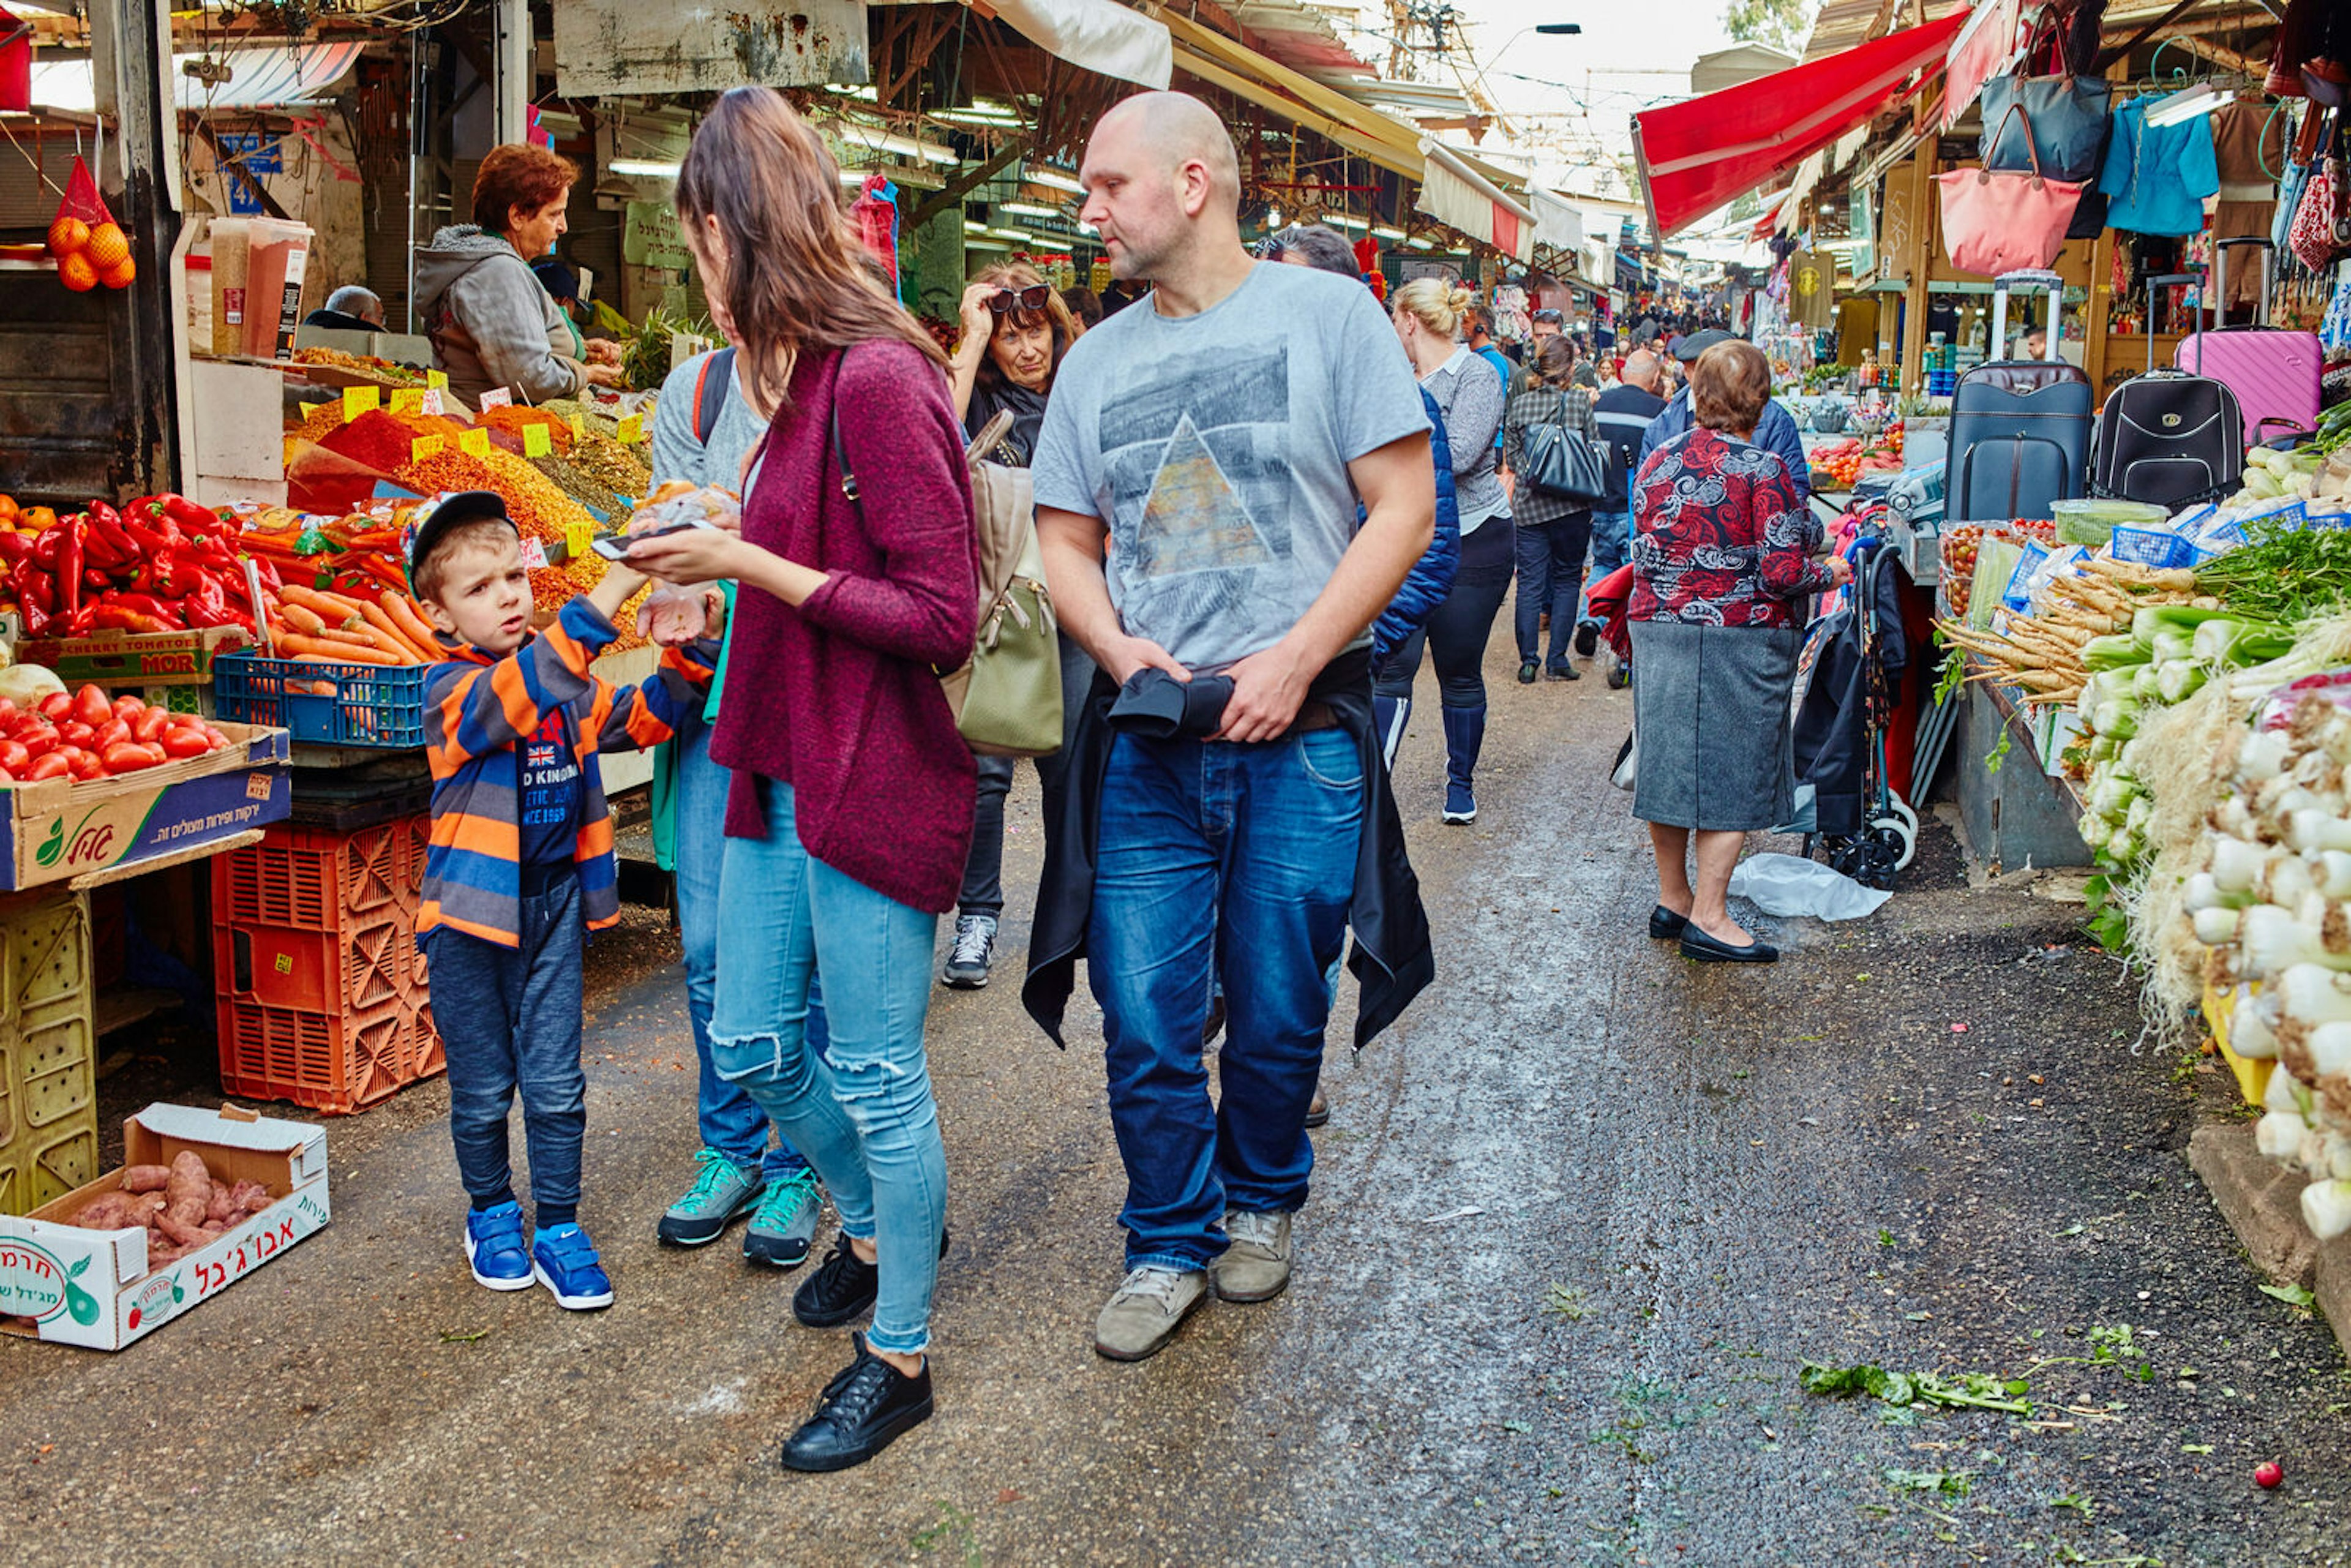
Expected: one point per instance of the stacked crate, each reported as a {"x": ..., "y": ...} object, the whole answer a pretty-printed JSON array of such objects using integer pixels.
[{"x": 48, "y": 1093}]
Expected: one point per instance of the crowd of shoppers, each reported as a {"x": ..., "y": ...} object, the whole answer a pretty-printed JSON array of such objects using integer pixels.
[{"x": 1259, "y": 498}]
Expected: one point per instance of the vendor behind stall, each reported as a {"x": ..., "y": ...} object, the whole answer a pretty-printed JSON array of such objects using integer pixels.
[{"x": 491, "y": 321}]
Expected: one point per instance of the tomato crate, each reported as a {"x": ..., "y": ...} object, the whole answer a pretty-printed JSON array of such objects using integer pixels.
[
  {"x": 48, "y": 1091},
  {"x": 323, "y": 702},
  {"x": 323, "y": 989}
]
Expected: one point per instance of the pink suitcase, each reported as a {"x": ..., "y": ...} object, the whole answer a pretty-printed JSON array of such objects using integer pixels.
[{"x": 2275, "y": 374}]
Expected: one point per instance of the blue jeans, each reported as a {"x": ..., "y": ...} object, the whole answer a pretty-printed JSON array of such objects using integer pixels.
[
  {"x": 731, "y": 1121},
  {"x": 1202, "y": 843},
  {"x": 509, "y": 1019},
  {"x": 861, "y": 1113},
  {"x": 1550, "y": 581}
]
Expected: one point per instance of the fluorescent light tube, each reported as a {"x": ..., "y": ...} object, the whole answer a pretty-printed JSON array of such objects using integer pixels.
[
  {"x": 644, "y": 168},
  {"x": 1382, "y": 231},
  {"x": 905, "y": 147},
  {"x": 1028, "y": 209},
  {"x": 1341, "y": 220},
  {"x": 1053, "y": 179}
]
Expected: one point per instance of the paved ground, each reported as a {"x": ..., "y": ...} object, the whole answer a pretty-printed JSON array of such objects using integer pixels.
[{"x": 1579, "y": 1222}]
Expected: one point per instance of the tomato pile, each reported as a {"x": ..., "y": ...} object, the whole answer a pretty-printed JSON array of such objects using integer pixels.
[
  {"x": 81, "y": 735},
  {"x": 1961, "y": 545}
]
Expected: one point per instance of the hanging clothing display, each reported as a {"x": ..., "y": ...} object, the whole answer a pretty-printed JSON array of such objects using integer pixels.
[
  {"x": 1856, "y": 328},
  {"x": 2248, "y": 145},
  {"x": 2158, "y": 176},
  {"x": 1811, "y": 288}
]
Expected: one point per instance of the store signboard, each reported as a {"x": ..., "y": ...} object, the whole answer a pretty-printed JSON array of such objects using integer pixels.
[
  {"x": 650, "y": 237},
  {"x": 636, "y": 46}
]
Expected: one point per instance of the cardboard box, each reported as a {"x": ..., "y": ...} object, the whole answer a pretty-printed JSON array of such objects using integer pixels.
[
  {"x": 134, "y": 658},
  {"x": 57, "y": 829},
  {"x": 93, "y": 1288}
]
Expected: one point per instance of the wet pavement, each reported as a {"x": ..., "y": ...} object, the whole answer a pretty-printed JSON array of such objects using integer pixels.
[{"x": 1578, "y": 1222}]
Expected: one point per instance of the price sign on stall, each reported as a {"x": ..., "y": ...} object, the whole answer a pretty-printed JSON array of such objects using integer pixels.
[
  {"x": 633, "y": 429},
  {"x": 475, "y": 443},
  {"x": 497, "y": 397},
  {"x": 537, "y": 442},
  {"x": 358, "y": 400},
  {"x": 408, "y": 399},
  {"x": 437, "y": 379},
  {"x": 534, "y": 554},
  {"x": 310, "y": 408},
  {"x": 578, "y": 431},
  {"x": 424, "y": 446},
  {"x": 577, "y": 537}
]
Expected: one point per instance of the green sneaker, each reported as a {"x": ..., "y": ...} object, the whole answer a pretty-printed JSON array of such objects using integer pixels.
[
  {"x": 784, "y": 1223},
  {"x": 722, "y": 1192}
]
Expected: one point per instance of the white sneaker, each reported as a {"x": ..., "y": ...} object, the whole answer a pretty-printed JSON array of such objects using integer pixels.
[{"x": 1150, "y": 1304}]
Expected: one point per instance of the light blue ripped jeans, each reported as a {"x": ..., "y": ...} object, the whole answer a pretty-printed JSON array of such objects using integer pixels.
[{"x": 861, "y": 1113}]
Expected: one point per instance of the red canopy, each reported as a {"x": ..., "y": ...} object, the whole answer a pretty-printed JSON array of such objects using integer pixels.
[{"x": 1697, "y": 155}]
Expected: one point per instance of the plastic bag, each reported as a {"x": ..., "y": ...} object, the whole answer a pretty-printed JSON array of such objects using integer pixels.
[
  {"x": 1788, "y": 884},
  {"x": 676, "y": 613}
]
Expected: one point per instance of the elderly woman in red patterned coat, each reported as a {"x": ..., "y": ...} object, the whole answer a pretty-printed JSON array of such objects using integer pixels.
[{"x": 1722, "y": 561}]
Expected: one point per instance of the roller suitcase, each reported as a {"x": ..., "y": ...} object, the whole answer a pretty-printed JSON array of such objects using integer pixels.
[
  {"x": 2274, "y": 373},
  {"x": 2020, "y": 428},
  {"x": 2168, "y": 438}
]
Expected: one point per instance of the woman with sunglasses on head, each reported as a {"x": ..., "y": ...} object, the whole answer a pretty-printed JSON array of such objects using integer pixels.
[{"x": 1015, "y": 331}]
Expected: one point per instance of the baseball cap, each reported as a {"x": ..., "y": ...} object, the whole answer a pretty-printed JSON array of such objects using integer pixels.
[
  {"x": 429, "y": 524},
  {"x": 1688, "y": 349}
]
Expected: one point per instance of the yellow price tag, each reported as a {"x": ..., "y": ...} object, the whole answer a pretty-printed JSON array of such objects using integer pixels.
[
  {"x": 578, "y": 431},
  {"x": 409, "y": 400},
  {"x": 578, "y": 536},
  {"x": 424, "y": 446},
  {"x": 633, "y": 429},
  {"x": 475, "y": 442},
  {"x": 358, "y": 400},
  {"x": 310, "y": 408},
  {"x": 537, "y": 442},
  {"x": 436, "y": 378}
]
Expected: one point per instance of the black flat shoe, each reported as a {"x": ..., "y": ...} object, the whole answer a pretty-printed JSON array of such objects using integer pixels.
[
  {"x": 843, "y": 1287},
  {"x": 1565, "y": 673},
  {"x": 1665, "y": 924},
  {"x": 863, "y": 1410},
  {"x": 1587, "y": 637},
  {"x": 1698, "y": 944},
  {"x": 1527, "y": 672}
]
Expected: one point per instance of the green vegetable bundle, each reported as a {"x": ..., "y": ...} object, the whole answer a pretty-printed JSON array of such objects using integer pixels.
[{"x": 2283, "y": 573}]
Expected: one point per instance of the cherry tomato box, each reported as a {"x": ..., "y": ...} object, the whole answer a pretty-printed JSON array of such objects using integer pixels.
[
  {"x": 63, "y": 829},
  {"x": 62, "y": 1282}
]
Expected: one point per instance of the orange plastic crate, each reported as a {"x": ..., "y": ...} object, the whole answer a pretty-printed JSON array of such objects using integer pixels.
[{"x": 336, "y": 1062}]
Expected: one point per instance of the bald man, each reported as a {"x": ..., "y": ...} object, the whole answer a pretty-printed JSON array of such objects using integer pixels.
[
  {"x": 1622, "y": 412},
  {"x": 1197, "y": 478}
]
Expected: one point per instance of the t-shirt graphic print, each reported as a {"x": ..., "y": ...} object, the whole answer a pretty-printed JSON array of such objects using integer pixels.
[{"x": 1215, "y": 446}]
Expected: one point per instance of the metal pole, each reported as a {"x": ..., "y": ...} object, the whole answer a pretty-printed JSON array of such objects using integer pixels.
[
  {"x": 416, "y": 122},
  {"x": 516, "y": 71}
]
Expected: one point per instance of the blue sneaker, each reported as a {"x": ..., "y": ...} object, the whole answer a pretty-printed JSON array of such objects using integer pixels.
[
  {"x": 494, "y": 1248},
  {"x": 564, "y": 1260}
]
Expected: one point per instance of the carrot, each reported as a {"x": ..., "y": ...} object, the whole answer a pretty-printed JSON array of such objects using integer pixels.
[
  {"x": 340, "y": 653},
  {"x": 413, "y": 625},
  {"x": 380, "y": 619},
  {"x": 334, "y": 612},
  {"x": 301, "y": 621}
]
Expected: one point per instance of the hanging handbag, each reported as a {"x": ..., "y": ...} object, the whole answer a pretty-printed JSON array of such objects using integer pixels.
[
  {"x": 2316, "y": 238},
  {"x": 1559, "y": 462},
  {"x": 1007, "y": 698},
  {"x": 2067, "y": 118},
  {"x": 1997, "y": 221}
]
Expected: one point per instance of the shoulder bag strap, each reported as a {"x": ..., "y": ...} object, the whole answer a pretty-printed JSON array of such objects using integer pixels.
[{"x": 707, "y": 408}]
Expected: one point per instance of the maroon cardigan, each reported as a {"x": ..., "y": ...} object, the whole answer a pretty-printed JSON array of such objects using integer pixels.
[{"x": 838, "y": 698}]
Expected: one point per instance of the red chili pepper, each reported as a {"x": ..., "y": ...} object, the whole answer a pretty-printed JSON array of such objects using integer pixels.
[
  {"x": 189, "y": 514},
  {"x": 108, "y": 616},
  {"x": 148, "y": 604},
  {"x": 270, "y": 577},
  {"x": 45, "y": 545},
  {"x": 79, "y": 625},
  {"x": 37, "y": 593},
  {"x": 14, "y": 547},
  {"x": 70, "y": 568},
  {"x": 94, "y": 581}
]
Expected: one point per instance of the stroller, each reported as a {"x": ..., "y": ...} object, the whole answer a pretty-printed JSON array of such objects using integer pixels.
[
  {"x": 1847, "y": 682},
  {"x": 1606, "y": 600}
]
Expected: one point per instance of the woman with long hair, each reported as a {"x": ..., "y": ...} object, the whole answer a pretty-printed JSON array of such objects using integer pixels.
[
  {"x": 1429, "y": 313},
  {"x": 1015, "y": 331},
  {"x": 849, "y": 817}
]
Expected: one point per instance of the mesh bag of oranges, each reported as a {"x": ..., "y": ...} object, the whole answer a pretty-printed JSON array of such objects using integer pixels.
[{"x": 89, "y": 246}]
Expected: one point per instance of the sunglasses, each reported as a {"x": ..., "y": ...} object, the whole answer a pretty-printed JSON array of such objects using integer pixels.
[
  {"x": 1548, "y": 318},
  {"x": 1003, "y": 301}
]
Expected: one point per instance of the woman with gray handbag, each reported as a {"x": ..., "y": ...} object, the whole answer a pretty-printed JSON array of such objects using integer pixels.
[{"x": 1548, "y": 431}]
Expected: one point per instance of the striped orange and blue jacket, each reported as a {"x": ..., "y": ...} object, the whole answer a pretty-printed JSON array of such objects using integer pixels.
[{"x": 477, "y": 708}]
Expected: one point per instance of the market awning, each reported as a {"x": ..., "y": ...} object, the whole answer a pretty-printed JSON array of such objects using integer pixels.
[
  {"x": 275, "y": 77},
  {"x": 1557, "y": 225},
  {"x": 1097, "y": 34},
  {"x": 1697, "y": 155},
  {"x": 1240, "y": 71},
  {"x": 1463, "y": 198}
]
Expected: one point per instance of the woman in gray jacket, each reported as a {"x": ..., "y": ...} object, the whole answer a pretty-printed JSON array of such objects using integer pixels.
[{"x": 491, "y": 322}]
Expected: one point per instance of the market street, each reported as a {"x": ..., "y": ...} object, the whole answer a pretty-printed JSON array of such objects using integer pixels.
[{"x": 1578, "y": 1222}]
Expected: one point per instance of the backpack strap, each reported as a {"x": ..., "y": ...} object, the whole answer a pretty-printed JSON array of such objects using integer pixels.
[
  {"x": 706, "y": 410},
  {"x": 841, "y": 458}
]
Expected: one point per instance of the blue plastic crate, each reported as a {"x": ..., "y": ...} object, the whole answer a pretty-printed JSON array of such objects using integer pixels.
[{"x": 370, "y": 704}]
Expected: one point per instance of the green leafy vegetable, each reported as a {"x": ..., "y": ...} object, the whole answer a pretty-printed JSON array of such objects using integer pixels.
[
  {"x": 2282, "y": 573},
  {"x": 1971, "y": 1391}
]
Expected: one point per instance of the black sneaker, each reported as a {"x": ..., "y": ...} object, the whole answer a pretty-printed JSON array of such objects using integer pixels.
[
  {"x": 843, "y": 1287},
  {"x": 1527, "y": 671},
  {"x": 1587, "y": 637},
  {"x": 1566, "y": 671},
  {"x": 863, "y": 1411}
]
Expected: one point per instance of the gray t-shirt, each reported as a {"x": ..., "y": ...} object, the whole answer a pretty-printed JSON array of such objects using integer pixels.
[{"x": 1216, "y": 446}]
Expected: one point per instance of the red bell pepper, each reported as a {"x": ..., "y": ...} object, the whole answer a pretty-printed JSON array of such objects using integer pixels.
[
  {"x": 148, "y": 604},
  {"x": 37, "y": 593},
  {"x": 109, "y": 545},
  {"x": 70, "y": 567},
  {"x": 15, "y": 547},
  {"x": 110, "y": 616},
  {"x": 190, "y": 516}
]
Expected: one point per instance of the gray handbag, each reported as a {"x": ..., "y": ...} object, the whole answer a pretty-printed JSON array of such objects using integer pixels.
[{"x": 2067, "y": 120}]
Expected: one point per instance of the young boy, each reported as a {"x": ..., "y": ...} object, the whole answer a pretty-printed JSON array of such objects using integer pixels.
[{"x": 520, "y": 867}]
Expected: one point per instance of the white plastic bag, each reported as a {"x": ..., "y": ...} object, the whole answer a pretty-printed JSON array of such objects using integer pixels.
[{"x": 1789, "y": 884}]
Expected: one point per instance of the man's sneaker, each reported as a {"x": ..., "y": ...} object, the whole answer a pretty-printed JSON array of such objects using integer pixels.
[
  {"x": 722, "y": 1192},
  {"x": 1256, "y": 1267},
  {"x": 1318, "y": 1110},
  {"x": 1460, "y": 805},
  {"x": 784, "y": 1223},
  {"x": 564, "y": 1260},
  {"x": 494, "y": 1250},
  {"x": 863, "y": 1410},
  {"x": 975, "y": 942},
  {"x": 1150, "y": 1304},
  {"x": 1587, "y": 637},
  {"x": 843, "y": 1287}
]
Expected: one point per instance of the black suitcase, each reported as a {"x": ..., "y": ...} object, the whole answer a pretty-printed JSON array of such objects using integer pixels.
[
  {"x": 2020, "y": 428},
  {"x": 2168, "y": 438}
]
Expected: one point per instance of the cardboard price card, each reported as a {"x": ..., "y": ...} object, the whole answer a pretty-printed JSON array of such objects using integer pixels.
[
  {"x": 579, "y": 538},
  {"x": 534, "y": 554},
  {"x": 310, "y": 408},
  {"x": 437, "y": 379},
  {"x": 408, "y": 400},
  {"x": 475, "y": 443},
  {"x": 579, "y": 430},
  {"x": 358, "y": 400},
  {"x": 497, "y": 397},
  {"x": 424, "y": 446},
  {"x": 633, "y": 429},
  {"x": 538, "y": 441}
]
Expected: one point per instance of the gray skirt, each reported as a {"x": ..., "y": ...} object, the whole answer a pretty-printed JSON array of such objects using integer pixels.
[{"x": 1710, "y": 706}]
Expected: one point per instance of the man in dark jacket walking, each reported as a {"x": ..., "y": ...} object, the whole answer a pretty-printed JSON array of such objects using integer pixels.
[{"x": 1622, "y": 412}]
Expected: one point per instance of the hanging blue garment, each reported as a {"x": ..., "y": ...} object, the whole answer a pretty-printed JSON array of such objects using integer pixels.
[{"x": 2158, "y": 176}]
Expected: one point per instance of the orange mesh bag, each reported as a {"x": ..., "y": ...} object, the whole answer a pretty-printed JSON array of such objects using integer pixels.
[{"x": 89, "y": 246}]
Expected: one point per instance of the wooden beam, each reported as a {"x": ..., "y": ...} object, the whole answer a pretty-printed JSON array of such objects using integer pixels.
[
  {"x": 234, "y": 170},
  {"x": 1369, "y": 124},
  {"x": 1343, "y": 135},
  {"x": 952, "y": 194}
]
